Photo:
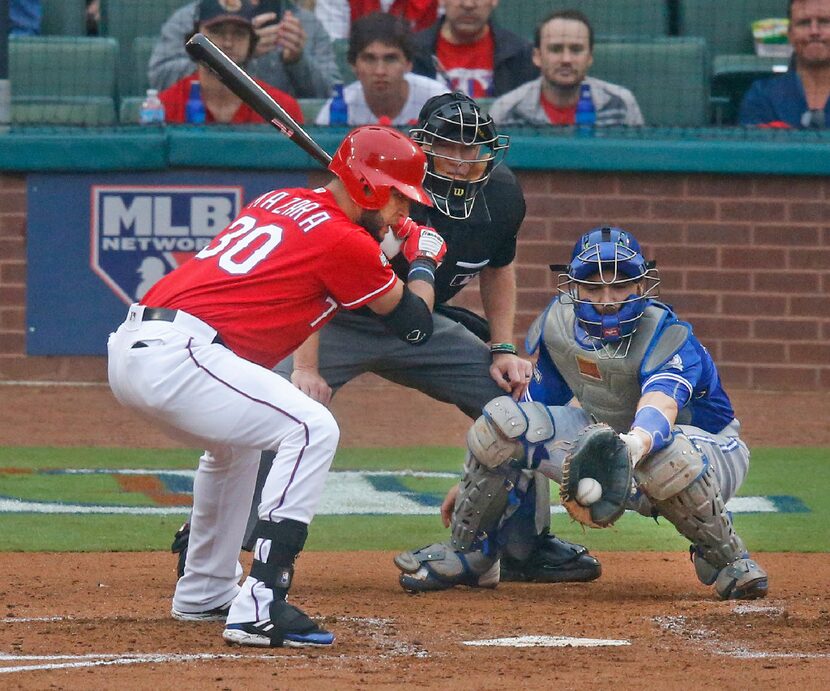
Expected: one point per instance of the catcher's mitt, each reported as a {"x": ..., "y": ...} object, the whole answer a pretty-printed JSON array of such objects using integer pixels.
[{"x": 597, "y": 453}]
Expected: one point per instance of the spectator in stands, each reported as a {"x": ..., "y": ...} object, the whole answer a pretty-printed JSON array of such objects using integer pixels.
[
  {"x": 293, "y": 51},
  {"x": 798, "y": 98},
  {"x": 93, "y": 17},
  {"x": 233, "y": 31},
  {"x": 472, "y": 53},
  {"x": 24, "y": 17},
  {"x": 386, "y": 91},
  {"x": 564, "y": 44},
  {"x": 337, "y": 15}
]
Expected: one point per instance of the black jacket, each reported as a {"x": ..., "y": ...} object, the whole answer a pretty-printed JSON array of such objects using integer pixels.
[{"x": 512, "y": 62}]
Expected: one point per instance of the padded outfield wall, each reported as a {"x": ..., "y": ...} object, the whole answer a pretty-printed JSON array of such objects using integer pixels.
[{"x": 740, "y": 229}]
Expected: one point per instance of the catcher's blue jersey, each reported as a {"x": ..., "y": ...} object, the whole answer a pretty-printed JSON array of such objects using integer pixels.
[{"x": 690, "y": 377}]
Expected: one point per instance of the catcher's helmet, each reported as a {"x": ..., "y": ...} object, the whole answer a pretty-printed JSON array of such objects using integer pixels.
[
  {"x": 455, "y": 118},
  {"x": 372, "y": 160},
  {"x": 609, "y": 256}
]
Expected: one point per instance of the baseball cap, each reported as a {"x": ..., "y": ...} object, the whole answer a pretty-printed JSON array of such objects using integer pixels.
[{"x": 216, "y": 11}]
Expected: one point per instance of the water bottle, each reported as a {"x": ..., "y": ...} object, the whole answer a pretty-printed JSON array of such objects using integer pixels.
[
  {"x": 338, "y": 110},
  {"x": 194, "y": 109},
  {"x": 586, "y": 114},
  {"x": 152, "y": 109}
]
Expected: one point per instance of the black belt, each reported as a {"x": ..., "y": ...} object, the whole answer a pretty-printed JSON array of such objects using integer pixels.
[{"x": 162, "y": 314}]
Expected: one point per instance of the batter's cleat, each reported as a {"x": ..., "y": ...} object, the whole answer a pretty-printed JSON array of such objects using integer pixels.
[
  {"x": 553, "y": 561},
  {"x": 287, "y": 626},
  {"x": 180, "y": 542},
  {"x": 439, "y": 567},
  {"x": 215, "y": 614},
  {"x": 743, "y": 579}
]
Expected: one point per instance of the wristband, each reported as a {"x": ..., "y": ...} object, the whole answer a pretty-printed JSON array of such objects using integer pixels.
[
  {"x": 422, "y": 269},
  {"x": 496, "y": 348},
  {"x": 655, "y": 424}
]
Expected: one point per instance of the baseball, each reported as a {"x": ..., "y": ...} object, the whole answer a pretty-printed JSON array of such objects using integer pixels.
[{"x": 588, "y": 491}]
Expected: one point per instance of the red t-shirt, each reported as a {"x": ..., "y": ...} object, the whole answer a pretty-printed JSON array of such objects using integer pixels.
[
  {"x": 557, "y": 115},
  {"x": 421, "y": 14},
  {"x": 175, "y": 98},
  {"x": 277, "y": 273},
  {"x": 469, "y": 66}
]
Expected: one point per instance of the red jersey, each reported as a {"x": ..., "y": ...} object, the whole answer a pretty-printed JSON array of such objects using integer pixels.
[
  {"x": 557, "y": 115},
  {"x": 419, "y": 13},
  {"x": 278, "y": 273},
  {"x": 470, "y": 67},
  {"x": 175, "y": 98}
]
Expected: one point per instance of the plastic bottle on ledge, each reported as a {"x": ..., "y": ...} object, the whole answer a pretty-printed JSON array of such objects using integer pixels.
[
  {"x": 194, "y": 109},
  {"x": 586, "y": 115},
  {"x": 152, "y": 109},
  {"x": 338, "y": 110}
]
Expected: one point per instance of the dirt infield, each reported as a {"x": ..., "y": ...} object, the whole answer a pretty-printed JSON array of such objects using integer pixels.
[{"x": 97, "y": 621}]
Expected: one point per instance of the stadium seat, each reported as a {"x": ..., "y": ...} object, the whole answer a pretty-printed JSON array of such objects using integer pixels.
[
  {"x": 142, "y": 48},
  {"x": 126, "y": 20},
  {"x": 63, "y": 18},
  {"x": 610, "y": 18},
  {"x": 726, "y": 24},
  {"x": 129, "y": 109},
  {"x": 67, "y": 110},
  {"x": 669, "y": 77},
  {"x": 341, "y": 48},
  {"x": 310, "y": 108},
  {"x": 62, "y": 66},
  {"x": 732, "y": 75}
]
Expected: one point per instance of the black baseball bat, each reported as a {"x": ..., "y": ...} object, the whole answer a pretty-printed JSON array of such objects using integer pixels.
[{"x": 204, "y": 51}]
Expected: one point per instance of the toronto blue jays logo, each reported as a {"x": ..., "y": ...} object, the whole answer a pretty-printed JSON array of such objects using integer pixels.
[{"x": 140, "y": 233}]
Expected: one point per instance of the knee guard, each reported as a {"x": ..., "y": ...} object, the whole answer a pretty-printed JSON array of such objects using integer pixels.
[
  {"x": 682, "y": 486},
  {"x": 509, "y": 431},
  {"x": 481, "y": 502},
  {"x": 277, "y": 546}
]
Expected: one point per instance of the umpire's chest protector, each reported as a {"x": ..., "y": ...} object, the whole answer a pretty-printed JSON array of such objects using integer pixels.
[{"x": 608, "y": 389}]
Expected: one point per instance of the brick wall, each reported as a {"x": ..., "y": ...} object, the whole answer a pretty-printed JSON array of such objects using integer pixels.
[{"x": 746, "y": 259}]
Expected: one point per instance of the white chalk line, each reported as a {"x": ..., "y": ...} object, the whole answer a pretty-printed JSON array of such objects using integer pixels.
[
  {"x": 709, "y": 639},
  {"x": 110, "y": 659}
]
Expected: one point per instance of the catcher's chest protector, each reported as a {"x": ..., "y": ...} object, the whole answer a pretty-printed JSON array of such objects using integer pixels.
[{"x": 608, "y": 389}]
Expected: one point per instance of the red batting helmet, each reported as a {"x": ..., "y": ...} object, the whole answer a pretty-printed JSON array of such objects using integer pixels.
[{"x": 372, "y": 160}]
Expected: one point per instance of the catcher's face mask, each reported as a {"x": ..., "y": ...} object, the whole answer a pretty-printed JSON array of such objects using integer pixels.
[
  {"x": 462, "y": 148},
  {"x": 609, "y": 284}
]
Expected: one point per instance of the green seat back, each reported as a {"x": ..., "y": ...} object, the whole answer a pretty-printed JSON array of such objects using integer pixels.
[
  {"x": 726, "y": 24},
  {"x": 732, "y": 75},
  {"x": 62, "y": 66},
  {"x": 63, "y": 18},
  {"x": 126, "y": 20},
  {"x": 66, "y": 110},
  {"x": 310, "y": 108},
  {"x": 644, "y": 18},
  {"x": 138, "y": 85},
  {"x": 669, "y": 78},
  {"x": 341, "y": 49}
]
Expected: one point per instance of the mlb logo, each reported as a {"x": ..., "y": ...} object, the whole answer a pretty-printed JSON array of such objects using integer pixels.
[{"x": 140, "y": 233}]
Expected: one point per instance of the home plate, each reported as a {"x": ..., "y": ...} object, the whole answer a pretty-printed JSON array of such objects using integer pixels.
[{"x": 548, "y": 642}]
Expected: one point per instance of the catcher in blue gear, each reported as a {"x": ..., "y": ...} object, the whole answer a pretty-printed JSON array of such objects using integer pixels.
[{"x": 608, "y": 352}]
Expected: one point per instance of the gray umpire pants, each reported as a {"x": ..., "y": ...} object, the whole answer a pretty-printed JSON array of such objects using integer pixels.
[{"x": 453, "y": 366}]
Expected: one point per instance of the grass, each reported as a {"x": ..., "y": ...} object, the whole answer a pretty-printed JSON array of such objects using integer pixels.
[{"x": 800, "y": 473}]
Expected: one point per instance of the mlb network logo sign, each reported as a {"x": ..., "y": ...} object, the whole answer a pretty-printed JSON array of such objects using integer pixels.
[{"x": 140, "y": 233}]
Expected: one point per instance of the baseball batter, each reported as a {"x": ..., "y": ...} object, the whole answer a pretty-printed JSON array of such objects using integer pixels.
[
  {"x": 196, "y": 356},
  {"x": 608, "y": 350}
]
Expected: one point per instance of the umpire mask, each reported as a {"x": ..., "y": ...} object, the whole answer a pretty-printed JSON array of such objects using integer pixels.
[{"x": 462, "y": 148}]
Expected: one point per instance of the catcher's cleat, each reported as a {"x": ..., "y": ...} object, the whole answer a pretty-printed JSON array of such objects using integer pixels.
[
  {"x": 743, "y": 579},
  {"x": 553, "y": 561},
  {"x": 180, "y": 542},
  {"x": 439, "y": 567},
  {"x": 287, "y": 626},
  {"x": 215, "y": 614}
]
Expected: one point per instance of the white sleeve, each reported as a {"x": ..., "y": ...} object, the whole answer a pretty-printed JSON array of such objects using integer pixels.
[{"x": 335, "y": 16}]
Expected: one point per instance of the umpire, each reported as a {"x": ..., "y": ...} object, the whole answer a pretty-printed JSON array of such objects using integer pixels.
[{"x": 479, "y": 208}]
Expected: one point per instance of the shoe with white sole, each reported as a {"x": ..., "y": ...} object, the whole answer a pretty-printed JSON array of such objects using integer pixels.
[
  {"x": 287, "y": 626},
  {"x": 215, "y": 614}
]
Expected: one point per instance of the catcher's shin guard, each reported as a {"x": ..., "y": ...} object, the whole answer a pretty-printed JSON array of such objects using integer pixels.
[
  {"x": 481, "y": 502},
  {"x": 683, "y": 487}
]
